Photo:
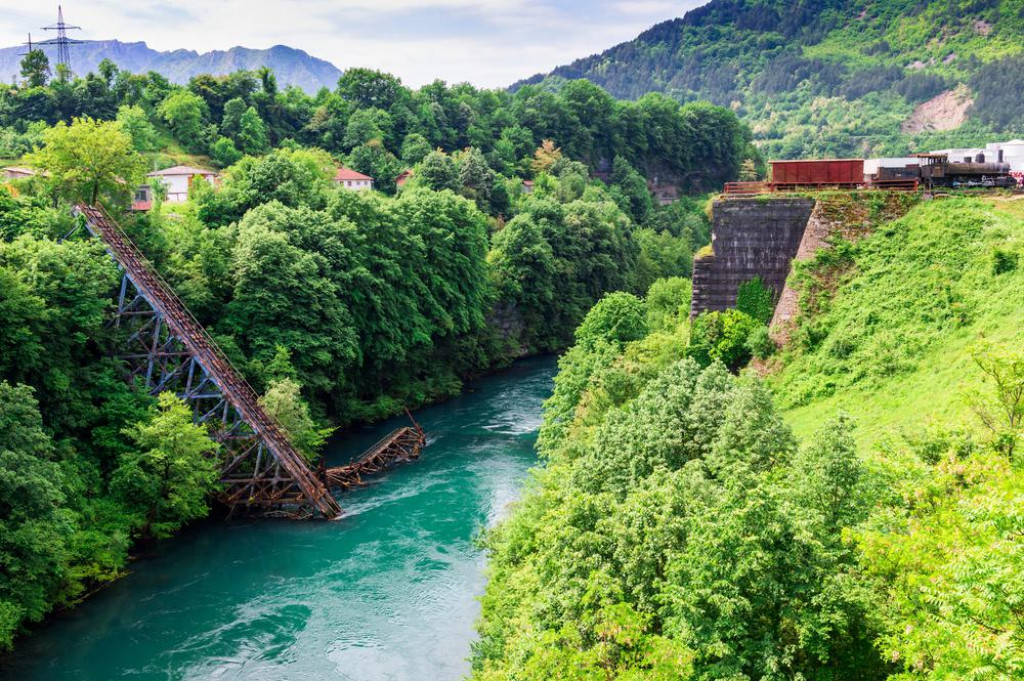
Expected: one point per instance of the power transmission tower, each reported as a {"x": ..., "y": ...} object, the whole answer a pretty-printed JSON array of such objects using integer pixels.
[{"x": 62, "y": 40}]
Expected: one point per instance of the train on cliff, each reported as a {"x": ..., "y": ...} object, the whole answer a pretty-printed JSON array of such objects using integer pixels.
[
  {"x": 930, "y": 171},
  {"x": 939, "y": 170},
  {"x": 926, "y": 170}
]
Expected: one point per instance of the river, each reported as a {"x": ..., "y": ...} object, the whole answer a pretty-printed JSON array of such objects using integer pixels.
[{"x": 387, "y": 593}]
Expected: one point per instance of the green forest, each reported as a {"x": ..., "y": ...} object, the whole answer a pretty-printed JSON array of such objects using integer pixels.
[
  {"x": 379, "y": 127},
  {"x": 695, "y": 523},
  {"x": 712, "y": 502},
  {"x": 338, "y": 306},
  {"x": 840, "y": 78}
]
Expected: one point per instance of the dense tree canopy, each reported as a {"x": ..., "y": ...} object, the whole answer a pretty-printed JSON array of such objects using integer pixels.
[
  {"x": 679, "y": 531},
  {"x": 90, "y": 158},
  {"x": 336, "y": 305},
  {"x": 693, "y": 146}
]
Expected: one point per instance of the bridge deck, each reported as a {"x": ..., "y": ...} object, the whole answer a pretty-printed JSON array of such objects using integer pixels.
[{"x": 403, "y": 444}]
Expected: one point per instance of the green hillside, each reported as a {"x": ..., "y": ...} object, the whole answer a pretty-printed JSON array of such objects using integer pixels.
[
  {"x": 893, "y": 344},
  {"x": 854, "y": 517},
  {"x": 837, "y": 77}
]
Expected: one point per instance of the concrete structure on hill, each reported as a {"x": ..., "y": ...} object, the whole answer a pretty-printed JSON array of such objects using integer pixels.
[{"x": 350, "y": 179}]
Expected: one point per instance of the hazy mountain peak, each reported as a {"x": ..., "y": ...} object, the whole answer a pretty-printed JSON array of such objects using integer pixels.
[{"x": 292, "y": 66}]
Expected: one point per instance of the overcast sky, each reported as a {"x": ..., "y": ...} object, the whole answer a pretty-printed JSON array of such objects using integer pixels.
[{"x": 487, "y": 42}]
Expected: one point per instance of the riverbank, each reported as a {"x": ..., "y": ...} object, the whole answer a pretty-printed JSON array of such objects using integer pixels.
[{"x": 388, "y": 592}]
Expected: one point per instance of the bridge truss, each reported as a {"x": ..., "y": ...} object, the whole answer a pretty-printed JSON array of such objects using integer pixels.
[{"x": 165, "y": 348}]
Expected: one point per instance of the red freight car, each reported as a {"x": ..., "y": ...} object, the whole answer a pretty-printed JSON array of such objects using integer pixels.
[{"x": 839, "y": 173}]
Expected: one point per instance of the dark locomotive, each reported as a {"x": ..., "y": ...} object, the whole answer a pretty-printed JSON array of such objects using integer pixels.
[{"x": 937, "y": 170}]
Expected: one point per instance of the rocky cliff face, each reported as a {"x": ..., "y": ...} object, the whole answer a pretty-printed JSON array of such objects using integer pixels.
[{"x": 291, "y": 66}]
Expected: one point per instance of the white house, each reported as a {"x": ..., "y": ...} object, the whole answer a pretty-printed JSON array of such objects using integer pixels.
[
  {"x": 179, "y": 179},
  {"x": 350, "y": 179}
]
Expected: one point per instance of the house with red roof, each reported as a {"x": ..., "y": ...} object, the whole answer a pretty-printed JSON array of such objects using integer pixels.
[
  {"x": 403, "y": 178},
  {"x": 350, "y": 179}
]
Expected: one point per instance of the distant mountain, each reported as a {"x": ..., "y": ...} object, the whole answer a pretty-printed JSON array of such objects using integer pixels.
[
  {"x": 292, "y": 66},
  {"x": 816, "y": 77}
]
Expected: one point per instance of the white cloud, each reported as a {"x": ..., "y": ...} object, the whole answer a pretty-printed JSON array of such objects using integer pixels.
[{"x": 487, "y": 42}]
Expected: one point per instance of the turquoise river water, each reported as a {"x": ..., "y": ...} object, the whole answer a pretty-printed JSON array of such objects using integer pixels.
[{"x": 387, "y": 593}]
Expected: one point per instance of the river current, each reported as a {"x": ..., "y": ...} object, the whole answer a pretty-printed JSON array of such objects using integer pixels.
[{"x": 387, "y": 593}]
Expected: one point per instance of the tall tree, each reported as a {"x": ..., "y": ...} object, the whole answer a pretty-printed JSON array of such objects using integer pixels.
[
  {"x": 135, "y": 122},
  {"x": 89, "y": 159},
  {"x": 165, "y": 481},
  {"x": 35, "y": 68},
  {"x": 252, "y": 133},
  {"x": 368, "y": 88},
  {"x": 186, "y": 114},
  {"x": 231, "y": 124}
]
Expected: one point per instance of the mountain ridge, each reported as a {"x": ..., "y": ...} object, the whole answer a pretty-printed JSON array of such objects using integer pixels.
[
  {"x": 291, "y": 65},
  {"x": 829, "y": 76}
]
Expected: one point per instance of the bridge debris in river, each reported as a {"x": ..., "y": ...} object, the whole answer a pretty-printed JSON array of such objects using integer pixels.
[{"x": 399, "y": 446}]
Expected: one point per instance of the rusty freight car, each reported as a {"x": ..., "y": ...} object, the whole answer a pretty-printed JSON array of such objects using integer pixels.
[{"x": 817, "y": 174}]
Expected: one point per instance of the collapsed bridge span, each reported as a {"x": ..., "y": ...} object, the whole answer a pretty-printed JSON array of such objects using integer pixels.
[{"x": 167, "y": 349}]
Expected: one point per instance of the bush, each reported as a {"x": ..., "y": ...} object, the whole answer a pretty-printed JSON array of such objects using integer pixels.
[
  {"x": 760, "y": 343},
  {"x": 756, "y": 299},
  {"x": 1004, "y": 261},
  {"x": 668, "y": 301},
  {"x": 618, "y": 317},
  {"x": 722, "y": 336},
  {"x": 224, "y": 153}
]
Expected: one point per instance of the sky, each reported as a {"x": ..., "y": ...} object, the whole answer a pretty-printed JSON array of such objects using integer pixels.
[{"x": 489, "y": 43}]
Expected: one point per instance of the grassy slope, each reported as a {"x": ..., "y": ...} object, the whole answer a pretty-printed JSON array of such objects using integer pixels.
[{"x": 898, "y": 335}]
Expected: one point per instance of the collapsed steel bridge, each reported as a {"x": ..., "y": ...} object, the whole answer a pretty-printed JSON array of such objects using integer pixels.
[{"x": 165, "y": 348}]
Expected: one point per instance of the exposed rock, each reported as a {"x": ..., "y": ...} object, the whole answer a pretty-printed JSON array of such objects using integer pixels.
[{"x": 947, "y": 111}]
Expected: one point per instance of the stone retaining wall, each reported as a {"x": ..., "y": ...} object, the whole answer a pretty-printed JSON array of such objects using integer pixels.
[{"x": 751, "y": 237}]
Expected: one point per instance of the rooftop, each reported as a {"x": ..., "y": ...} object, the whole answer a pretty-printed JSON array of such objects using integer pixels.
[
  {"x": 349, "y": 174},
  {"x": 180, "y": 170}
]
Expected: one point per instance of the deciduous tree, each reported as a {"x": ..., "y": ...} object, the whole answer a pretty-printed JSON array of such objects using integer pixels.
[
  {"x": 89, "y": 159},
  {"x": 165, "y": 481}
]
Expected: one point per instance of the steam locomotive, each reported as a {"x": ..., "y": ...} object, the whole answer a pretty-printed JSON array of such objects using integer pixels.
[{"x": 938, "y": 170}]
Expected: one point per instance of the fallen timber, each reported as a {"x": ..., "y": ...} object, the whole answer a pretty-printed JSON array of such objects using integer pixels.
[{"x": 399, "y": 446}]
